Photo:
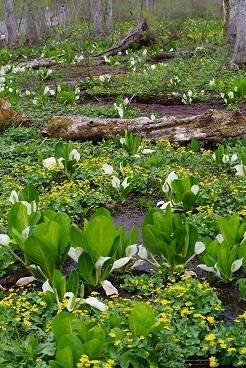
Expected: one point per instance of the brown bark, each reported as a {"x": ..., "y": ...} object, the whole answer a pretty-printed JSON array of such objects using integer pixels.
[
  {"x": 150, "y": 5},
  {"x": 239, "y": 57},
  {"x": 96, "y": 13},
  {"x": 107, "y": 16},
  {"x": 212, "y": 125},
  {"x": 30, "y": 24},
  {"x": 230, "y": 22},
  {"x": 10, "y": 22},
  {"x": 140, "y": 36}
]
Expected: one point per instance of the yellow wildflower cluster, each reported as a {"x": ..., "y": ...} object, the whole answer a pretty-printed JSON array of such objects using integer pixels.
[
  {"x": 212, "y": 362},
  {"x": 22, "y": 307},
  {"x": 85, "y": 362}
]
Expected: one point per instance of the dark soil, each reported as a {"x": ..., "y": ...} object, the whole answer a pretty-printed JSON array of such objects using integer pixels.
[
  {"x": 129, "y": 218},
  {"x": 162, "y": 106},
  {"x": 177, "y": 110}
]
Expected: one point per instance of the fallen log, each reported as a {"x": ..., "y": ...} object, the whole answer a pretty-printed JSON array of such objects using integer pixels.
[
  {"x": 212, "y": 125},
  {"x": 139, "y": 36},
  {"x": 162, "y": 56},
  {"x": 38, "y": 63}
]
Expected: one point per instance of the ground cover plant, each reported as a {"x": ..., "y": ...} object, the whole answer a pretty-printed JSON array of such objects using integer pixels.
[{"x": 121, "y": 252}]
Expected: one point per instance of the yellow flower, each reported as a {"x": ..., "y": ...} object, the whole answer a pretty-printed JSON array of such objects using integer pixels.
[
  {"x": 222, "y": 344},
  {"x": 231, "y": 350},
  {"x": 210, "y": 339},
  {"x": 117, "y": 342},
  {"x": 211, "y": 320},
  {"x": 243, "y": 350},
  {"x": 212, "y": 362},
  {"x": 112, "y": 334},
  {"x": 185, "y": 312},
  {"x": 109, "y": 364}
]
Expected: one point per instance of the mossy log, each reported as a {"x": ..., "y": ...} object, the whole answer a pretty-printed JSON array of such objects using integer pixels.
[
  {"x": 212, "y": 125},
  {"x": 138, "y": 37},
  {"x": 10, "y": 117},
  {"x": 38, "y": 63}
]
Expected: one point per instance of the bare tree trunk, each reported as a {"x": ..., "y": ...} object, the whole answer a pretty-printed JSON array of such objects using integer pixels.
[
  {"x": 102, "y": 12},
  {"x": 239, "y": 57},
  {"x": 230, "y": 23},
  {"x": 141, "y": 8},
  {"x": 96, "y": 12},
  {"x": 107, "y": 16},
  {"x": 150, "y": 5},
  {"x": 43, "y": 21},
  {"x": 30, "y": 24},
  {"x": 10, "y": 21}
]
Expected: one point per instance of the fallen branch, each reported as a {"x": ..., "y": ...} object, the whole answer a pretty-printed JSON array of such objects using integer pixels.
[
  {"x": 139, "y": 36},
  {"x": 212, "y": 125}
]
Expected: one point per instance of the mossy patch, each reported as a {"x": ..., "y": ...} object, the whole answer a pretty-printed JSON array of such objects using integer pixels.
[
  {"x": 8, "y": 116},
  {"x": 58, "y": 126}
]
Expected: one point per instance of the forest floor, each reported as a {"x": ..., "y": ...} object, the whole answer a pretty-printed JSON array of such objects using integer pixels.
[{"x": 52, "y": 193}]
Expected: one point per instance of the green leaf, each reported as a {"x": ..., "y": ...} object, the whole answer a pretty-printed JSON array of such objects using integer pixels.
[
  {"x": 18, "y": 218},
  {"x": 54, "y": 364},
  {"x": 29, "y": 194},
  {"x": 41, "y": 253},
  {"x": 93, "y": 348},
  {"x": 62, "y": 325},
  {"x": 141, "y": 319},
  {"x": 77, "y": 237},
  {"x": 59, "y": 283},
  {"x": 73, "y": 282},
  {"x": 100, "y": 235},
  {"x": 87, "y": 269},
  {"x": 65, "y": 358},
  {"x": 63, "y": 222},
  {"x": 102, "y": 212},
  {"x": 73, "y": 343}
]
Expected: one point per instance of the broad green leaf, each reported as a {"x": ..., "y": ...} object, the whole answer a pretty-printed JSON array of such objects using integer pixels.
[
  {"x": 102, "y": 212},
  {"x": 18, "y": 218},
  {"x": 73, "y": 343},
  {"x": 54, "y": 364},
  {"x": 77, "y": 237},
  {"x": 93, "y": 348},
  {"x": 65, "y": 358},
  {"x": 40, "y": 252},
  {"x": 73, "y": 282},
  {"x": 87, "y": 269},
  {"x": 59, "y": 283},
  {"x": 141, "y": 319},
  {"x": 63, "y": 222},
  {"x": 100, "y": 235},
  {"x": 62, "y": 325}
]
